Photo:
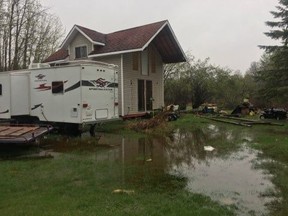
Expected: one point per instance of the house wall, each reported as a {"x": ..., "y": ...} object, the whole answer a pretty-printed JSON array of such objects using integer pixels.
[
  {"x": 79, "y": 40},
  {"x": 131, "y": 78}
]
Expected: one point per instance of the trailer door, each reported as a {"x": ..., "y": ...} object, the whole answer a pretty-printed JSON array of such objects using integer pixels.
[
  {"x": 5, "y": 96},
  {"x": 20, "y": 100}
]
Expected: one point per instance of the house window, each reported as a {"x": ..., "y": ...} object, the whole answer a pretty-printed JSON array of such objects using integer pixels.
[
  {"x": 58, "y": 87},
  {"x": 153, "y": 62},
  {"x": 81, "y": 52},
  {"x": 144, "y": 62},
  {"x": 135, "y": 61},
  {"x": 0, "y": 89}
]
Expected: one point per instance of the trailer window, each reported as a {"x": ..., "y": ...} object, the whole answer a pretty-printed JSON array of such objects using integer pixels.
[
  {"x": 57, "y": 87},
  {"x": 0, "y": 89}
]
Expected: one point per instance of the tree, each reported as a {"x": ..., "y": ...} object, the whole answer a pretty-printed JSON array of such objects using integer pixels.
[
  {"x": 26, "y": 30},
  {"x": 197, "y": 81},
  {"x": 274, "y": 73}
]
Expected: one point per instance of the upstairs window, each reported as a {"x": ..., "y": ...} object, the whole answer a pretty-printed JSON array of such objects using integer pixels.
[
  {"x": 153, "y": 62},
  {"x": 144, "y": 63},
  {"x": 81, "y": 52},
  {"x": 58, "y": 87},
  {"x": 135, "y": 60}
]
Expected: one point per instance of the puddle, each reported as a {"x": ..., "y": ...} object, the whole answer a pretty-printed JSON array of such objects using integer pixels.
[
  {"x": 227, "y": 174},
  {"x": 230, "y": 179}
]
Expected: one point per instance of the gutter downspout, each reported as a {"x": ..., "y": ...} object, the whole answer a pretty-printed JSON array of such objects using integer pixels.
[{"x": 122, "y": 87}]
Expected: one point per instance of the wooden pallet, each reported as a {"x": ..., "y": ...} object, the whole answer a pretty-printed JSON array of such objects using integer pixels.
[
  {"x": 22, "y": 133},
  {"x": 12, "y": 131}
]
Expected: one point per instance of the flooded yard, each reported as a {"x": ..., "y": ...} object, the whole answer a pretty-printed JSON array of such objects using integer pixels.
[{"x": 216, "y": 161}]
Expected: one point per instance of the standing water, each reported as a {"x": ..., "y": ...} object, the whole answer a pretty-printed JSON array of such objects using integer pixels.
[
  {"x": 214, "y": 161},
  {"x": 228, "y": 174}
]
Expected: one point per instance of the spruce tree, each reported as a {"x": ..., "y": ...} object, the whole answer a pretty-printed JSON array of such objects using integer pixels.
[{"x": 275, "y": 74}]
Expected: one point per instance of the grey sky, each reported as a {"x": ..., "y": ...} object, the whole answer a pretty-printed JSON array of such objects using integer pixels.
[{"x": 226, "y": 31}]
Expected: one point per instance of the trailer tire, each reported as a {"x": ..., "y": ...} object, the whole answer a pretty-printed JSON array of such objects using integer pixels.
[{"x": 92, "y": 130}]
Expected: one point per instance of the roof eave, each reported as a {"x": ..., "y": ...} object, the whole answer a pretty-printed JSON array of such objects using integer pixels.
[
  {"x": 115, "y": 53},
  {"x": 75, "y": 27},
  {"x": 174, "y": 37},
  {"x": 57, "y": 61}
]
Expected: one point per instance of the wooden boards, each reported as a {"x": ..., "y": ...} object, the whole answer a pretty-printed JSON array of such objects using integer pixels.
[{"x": 15, "y": 131}]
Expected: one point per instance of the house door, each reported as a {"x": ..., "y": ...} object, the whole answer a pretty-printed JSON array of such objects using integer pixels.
[{"x": 145, "y": 95}]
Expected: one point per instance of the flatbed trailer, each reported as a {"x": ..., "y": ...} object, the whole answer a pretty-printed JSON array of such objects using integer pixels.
[{"x": 21, "y": 134}]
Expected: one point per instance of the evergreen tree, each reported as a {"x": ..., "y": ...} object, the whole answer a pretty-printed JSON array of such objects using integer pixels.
[{"x": 275, "y": 74}]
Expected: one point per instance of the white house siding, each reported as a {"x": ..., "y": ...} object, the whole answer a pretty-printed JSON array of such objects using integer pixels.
[
  {"x": 79, "y": 40},
  {"x": 131, "y": 78}
]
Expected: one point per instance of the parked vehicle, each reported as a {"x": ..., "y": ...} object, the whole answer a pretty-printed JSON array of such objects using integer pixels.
[
  {"x": 78, "y": 94},
  {"x": 274, "y": 113}
]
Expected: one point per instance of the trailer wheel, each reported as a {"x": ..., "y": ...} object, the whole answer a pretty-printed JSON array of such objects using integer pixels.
[
  {"x": 92, "y": 130},
  {"x": 262, "y": 117}
]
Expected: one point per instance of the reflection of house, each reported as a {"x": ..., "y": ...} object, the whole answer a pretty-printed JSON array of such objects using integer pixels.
[
  {"x": 139, "y": 52},
  {"x": 132, "y": 150}
]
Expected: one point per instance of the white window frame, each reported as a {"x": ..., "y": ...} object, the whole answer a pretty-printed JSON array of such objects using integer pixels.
[{"x": 81, "y": 56}]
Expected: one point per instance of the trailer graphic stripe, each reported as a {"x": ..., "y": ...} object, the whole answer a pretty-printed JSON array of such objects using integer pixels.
[
  {"x": 87, "y": 83},
  {"x": 92, "y": 83},
  {"x": 6, "y": 111},
  {"x": 113, "y": 85},
  {"x": 75, "y": 86},
  {"x": 36, "y": 106},
  {"x": 43, "y": 87}
]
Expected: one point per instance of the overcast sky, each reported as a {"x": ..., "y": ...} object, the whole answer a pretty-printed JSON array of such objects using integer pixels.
[{"x": 226, "y": 31}]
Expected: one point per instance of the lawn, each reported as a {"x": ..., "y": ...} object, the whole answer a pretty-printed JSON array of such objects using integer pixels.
[{"x": 75, "y": 183}]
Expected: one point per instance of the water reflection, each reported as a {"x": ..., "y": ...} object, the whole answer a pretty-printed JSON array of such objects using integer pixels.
[{"x": 226, "y": 174}]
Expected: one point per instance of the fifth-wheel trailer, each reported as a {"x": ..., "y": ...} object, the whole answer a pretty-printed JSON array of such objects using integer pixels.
[
  {"x": 77, "y": 94},
  {"x": 14, "y": 94}
]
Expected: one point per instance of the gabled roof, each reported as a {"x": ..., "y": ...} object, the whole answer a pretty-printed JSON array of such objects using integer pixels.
[
  {"x": 59, "y": 55},
  {"x": 131, "y": 40},
  {"x": 94, "y": 37}
]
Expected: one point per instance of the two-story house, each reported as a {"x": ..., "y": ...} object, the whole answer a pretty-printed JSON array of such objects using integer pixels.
[{"x": 140, "y": 54}]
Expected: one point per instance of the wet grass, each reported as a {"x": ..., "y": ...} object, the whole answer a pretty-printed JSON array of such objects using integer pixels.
[
  {"x": 271, "y": 141},
  {"x": 79, "y": 184}
]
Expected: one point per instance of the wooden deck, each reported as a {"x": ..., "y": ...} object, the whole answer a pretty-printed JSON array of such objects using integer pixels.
[
  {"x": 22, "y": 133},
  {"x": 135, "y": 115}
]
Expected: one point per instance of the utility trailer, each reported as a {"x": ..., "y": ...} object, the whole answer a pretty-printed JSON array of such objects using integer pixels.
[{"x": 70, "y": 96}]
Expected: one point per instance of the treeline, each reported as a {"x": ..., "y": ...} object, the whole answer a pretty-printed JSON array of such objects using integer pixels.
[
  {"x": 27, "y": 31},
  {"x": 265, "y": 83},
  {"x": 198, "y": 81}
]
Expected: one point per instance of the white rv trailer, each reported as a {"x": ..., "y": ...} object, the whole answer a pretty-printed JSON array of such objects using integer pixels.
[
  {"x": 78, "y": 93},
  {"x": 5, "y": 96},
  {"x": 14, "y": 94}
]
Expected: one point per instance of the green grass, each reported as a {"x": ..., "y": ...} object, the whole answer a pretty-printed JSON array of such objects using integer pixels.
[
  {"x": 77, "y": 184},
  {"x": 270, "y": 140}
]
